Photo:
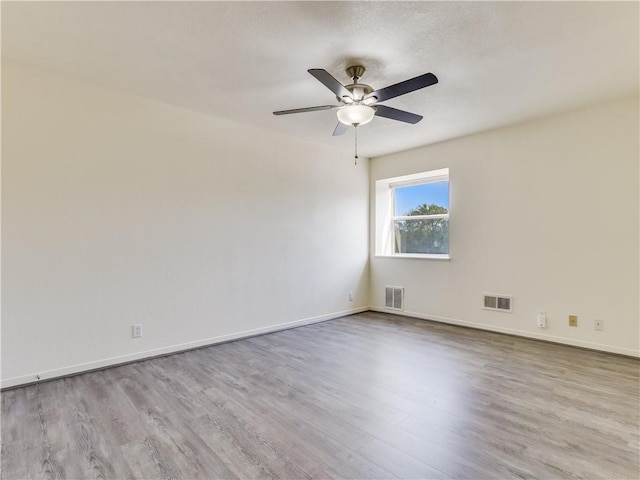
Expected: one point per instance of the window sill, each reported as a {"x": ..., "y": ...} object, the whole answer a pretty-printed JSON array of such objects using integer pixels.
[{"x": 418, "y": 256}]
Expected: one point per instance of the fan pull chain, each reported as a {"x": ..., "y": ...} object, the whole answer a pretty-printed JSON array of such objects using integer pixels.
[{"x": 355, "y": 161}]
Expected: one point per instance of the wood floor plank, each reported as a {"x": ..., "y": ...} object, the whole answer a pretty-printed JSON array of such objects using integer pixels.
[
  {"x": 50, "y": 458},
  {"x": 15, "y": 433},
  {"x": 249, "y": 432},
  {"x": 399, "y": 463},
  {"x": 118, "y": 416},
  {"x": 182, "y": 450},
  {"x": 366, "y": 396},
  {"x": 283, "y": 430},
  {"x": 91, "y": 443},
  {"x": 377, "y": 401}
]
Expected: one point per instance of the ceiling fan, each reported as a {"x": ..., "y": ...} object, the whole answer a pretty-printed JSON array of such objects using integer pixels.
[{"x": 359, "y": 103}]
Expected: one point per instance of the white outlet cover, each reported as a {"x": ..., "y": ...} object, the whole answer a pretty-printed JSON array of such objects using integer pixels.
[
  {"x": 542, "y": 318},
  {"x": 136, "y": 330}
]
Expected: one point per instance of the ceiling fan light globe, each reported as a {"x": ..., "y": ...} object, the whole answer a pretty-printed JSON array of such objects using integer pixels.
[{"x": 355, "y": 114}]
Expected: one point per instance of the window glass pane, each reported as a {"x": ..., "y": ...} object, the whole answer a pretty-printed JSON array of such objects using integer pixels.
[
  {"x": 422, "y": 236},
  {"x": 424, "y": 199}
]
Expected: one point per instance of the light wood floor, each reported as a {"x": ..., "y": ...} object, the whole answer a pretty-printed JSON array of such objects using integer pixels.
[{"x": 366, "y": 396}]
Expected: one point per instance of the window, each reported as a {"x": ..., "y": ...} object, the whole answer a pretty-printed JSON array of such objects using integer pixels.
[{"x": 412, "y": 215}]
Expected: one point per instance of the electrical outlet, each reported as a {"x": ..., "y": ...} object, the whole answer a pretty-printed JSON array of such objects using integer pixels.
[
  {"x": 598, "y": 325},
  {"x": 542, "y": 319},
  {"x": 351, "y": 296},
  {"x": 136, "y": 330},
  {"x": 573, "y": 320}
]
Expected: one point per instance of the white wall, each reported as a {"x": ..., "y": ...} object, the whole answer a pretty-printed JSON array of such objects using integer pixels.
[
  {"x": 545, "y": 211},
  {"x": 119, "y": 210}
]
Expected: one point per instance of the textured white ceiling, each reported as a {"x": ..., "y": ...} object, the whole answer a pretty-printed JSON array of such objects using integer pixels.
[{"x": 498, "y": 63}]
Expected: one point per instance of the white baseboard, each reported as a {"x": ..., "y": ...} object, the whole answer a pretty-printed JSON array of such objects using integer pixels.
[
  {"x": 138, "y": 356},
  {"x": 114, "y": 361},
  {"x": 512, "y": 331}
]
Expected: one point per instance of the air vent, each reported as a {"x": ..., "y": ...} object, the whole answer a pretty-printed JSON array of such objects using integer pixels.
[
  {"x": 500, "y": 303},
  {"x": 394, "y": 297}
]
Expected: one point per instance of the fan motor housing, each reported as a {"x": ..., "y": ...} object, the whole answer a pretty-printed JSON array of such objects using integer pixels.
[{"x": 358, "y": 90}]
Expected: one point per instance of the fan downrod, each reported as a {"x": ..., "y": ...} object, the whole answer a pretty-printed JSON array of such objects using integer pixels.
[{"x": 357, "y": 90}]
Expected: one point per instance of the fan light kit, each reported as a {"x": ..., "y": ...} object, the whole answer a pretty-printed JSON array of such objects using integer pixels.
[
  {"x": 355, "y": 115},
  {"x": 359, "y": 103}
]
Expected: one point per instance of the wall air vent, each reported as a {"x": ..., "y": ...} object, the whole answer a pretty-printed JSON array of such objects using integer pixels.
[
  {"x": 394, "y": 297},
  {"x": 500, "y": 303}
]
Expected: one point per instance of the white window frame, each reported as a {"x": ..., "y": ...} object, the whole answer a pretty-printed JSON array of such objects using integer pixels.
[{"x": 385, "y": 217}]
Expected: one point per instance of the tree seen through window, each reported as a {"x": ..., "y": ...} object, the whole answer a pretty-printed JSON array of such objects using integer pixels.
[{"x": 421, "y": 221}]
